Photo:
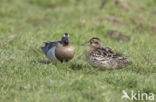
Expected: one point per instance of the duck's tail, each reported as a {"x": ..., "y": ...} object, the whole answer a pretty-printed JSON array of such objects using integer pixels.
[
  {"x": 43, "y": 49},
  {"x": 129, "y": 62},
  {"x": 124, "y": 63}
]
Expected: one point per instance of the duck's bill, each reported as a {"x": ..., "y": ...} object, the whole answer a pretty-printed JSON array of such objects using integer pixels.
[{"x": 85, "y": 44}]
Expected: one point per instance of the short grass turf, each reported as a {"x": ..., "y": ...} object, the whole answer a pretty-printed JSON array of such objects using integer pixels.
[{"x": 26, "y": 24}]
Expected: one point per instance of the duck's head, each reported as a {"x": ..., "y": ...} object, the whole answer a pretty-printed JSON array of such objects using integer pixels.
[
  {"x": 65, "y": 39},
  {"x": 93, "y": 42}
]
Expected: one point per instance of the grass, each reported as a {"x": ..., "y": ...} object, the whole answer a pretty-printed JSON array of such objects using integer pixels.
[{"x": 26, "y": 24}]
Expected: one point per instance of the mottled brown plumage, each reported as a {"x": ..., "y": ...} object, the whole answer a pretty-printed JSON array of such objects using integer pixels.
[{"x": 104, "y": 57}]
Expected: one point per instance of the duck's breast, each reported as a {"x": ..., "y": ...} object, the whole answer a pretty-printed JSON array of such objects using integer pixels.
[{"x": 65, "y": 52}]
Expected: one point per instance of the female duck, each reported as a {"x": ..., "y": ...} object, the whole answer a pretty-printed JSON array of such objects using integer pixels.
[
  {"x": 104, "y": 57},
  {"x": 59, "y": 50}
]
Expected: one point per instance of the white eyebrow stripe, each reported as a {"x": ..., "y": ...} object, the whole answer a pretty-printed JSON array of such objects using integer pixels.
[{"x": 64, "y": 35}]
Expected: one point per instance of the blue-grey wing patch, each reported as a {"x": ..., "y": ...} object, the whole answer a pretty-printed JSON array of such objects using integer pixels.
[{"x": 48, "y": 45}]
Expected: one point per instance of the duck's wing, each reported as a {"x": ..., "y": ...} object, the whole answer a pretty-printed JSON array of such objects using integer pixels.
[
  {"x": 105, "y": 57},
  {"x": 105, "y": 53},
  {"x": 49, "y": 45},
  {"x": 110, "y": 53}
]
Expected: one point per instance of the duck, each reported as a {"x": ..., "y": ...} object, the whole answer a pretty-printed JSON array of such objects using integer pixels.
[
  {"x": 104, "y": 57},
  {"x": 62, "y": 50}
]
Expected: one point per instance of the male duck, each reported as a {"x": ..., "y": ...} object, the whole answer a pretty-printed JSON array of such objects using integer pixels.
[
  {"x": 59, "y": 50},
  {"x": 104, "y": 57}
]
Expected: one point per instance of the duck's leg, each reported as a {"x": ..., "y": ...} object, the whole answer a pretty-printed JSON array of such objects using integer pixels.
[
  {"x": 66, "y": 60},
  {"x": 61, "y": 61}
]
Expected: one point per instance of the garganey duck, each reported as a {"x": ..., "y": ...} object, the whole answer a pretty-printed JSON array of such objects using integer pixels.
[
  {"x": 104, "y": 57},
  {"x": 59, "y": 50}
]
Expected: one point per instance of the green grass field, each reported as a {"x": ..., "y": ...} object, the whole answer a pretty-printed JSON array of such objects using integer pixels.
[{"x": 26, "y": 24}]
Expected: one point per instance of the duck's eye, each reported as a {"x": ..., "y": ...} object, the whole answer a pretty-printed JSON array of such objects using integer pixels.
[{"x": 96, "y": 42}]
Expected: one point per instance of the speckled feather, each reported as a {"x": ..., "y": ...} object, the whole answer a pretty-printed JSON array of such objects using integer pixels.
[{"x": 105, "y": 58}]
